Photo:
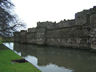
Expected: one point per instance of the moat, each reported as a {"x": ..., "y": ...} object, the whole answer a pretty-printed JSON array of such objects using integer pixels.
[{"x": 51, "y": 59}]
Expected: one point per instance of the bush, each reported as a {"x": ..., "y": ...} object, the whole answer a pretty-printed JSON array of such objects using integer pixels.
[{"x": 1, "y": 41}]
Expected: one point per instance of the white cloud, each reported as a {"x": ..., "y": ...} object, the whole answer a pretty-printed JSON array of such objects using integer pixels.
[{"x": 32, "y": 11}]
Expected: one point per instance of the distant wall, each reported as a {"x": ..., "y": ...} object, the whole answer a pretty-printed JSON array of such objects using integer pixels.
[
  {"x": 73, "y": 36},
  {"x": 77, "y": 33}
]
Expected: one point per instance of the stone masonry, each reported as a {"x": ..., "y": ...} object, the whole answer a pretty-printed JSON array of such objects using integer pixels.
[{"x": 77, "y": 33}]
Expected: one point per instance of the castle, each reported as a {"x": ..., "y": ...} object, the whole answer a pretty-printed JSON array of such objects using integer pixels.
[{"x": 76, "y": 33}]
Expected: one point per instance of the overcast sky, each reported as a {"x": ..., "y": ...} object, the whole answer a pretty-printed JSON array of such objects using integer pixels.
[{"x": 32, "y": 11}]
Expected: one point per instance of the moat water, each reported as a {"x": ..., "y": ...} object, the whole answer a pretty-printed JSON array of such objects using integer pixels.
[{"x": 51, "y": 59}]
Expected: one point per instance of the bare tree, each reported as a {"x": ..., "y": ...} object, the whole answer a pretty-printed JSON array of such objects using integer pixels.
[{"x": 8, "y": 21}]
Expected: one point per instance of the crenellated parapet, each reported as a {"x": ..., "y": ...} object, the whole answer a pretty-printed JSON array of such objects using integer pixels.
[{"x": 83, "y": 17}]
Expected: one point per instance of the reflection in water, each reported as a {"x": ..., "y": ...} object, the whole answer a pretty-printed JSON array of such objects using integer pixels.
[
  {"x": 46, "y": 68},
  {"x": 53, "y": 68},
  {"x": 9, "y": 45},
  {"x": 32, "y": 60},
  {"x": 49, "y": 59}
]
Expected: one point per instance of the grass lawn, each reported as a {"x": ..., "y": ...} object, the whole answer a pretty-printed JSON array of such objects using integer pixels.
[{"x": 6, "y": 65}]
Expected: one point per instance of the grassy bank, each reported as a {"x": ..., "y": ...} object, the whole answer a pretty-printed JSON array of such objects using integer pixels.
[{"x": 6, "y": 65}]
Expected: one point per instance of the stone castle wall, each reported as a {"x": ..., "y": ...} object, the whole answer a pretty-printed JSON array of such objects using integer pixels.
[{"x": 77, "y": 33}]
